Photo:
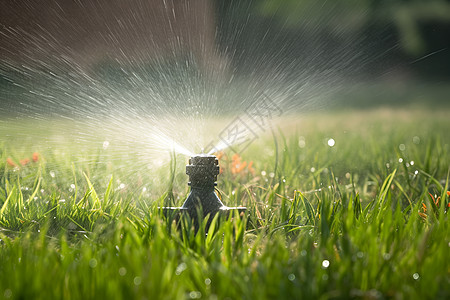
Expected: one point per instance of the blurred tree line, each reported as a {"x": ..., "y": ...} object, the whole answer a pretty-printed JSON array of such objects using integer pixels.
[{"x": 381, "y": 31}]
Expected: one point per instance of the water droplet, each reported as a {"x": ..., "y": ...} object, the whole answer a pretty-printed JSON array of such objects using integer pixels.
[
  {"x": 400, "y": 160},
  {"x": 122, "y": 271},
  {"x": 402, "y": 147},
  {"x": 144, "y": 189},
  {"x": 105, "y": 145},
  {"x": 207, "y": 281},
  {"x": 72, "y": 186},
  {"x": 7, "y": 293},
  {"x": 325, "y": 264},
  {"x": 291, "y": 277},
  {"x": 181, "y": 267},
  {"x": 411, "y": 163},
  {"x": 93, "y": 263},
  {"x": 272, "y": 174},
  {"x": 137, "y": 280},
  {"x": 263, "y": 173},
  {"x": 331, "y": 142},
  {"x": 122, "y": 186},
  {"x": 301, "y": 142},
  {"x": 313, "y": 169},
  {"x": 416, "y": 140},
  {"x": 52, "y": 174},
  {"x": 416, "y": 276},
  {"x": 303, "y": 253},
  {"x": 195, "y": 295}
]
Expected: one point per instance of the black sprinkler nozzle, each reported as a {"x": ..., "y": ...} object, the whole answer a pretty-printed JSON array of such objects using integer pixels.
[{"x": 202, "y": 171}]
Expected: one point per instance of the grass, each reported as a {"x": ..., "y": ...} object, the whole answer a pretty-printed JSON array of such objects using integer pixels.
[{"x": 356, "y": 220}]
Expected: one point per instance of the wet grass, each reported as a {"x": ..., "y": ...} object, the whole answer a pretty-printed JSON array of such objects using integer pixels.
[{"x": 359, "y": 219}]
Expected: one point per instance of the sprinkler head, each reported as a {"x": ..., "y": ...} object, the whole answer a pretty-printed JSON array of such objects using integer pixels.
[{"x": 202, "y": 171}]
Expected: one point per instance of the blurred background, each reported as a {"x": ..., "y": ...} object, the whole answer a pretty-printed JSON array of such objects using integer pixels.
[{"x": 362, "y": 53}]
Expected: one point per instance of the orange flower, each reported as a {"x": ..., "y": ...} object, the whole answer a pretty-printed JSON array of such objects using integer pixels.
[
  {"x": 35, "y": 156},
  {"x": 448, "y": 193},
  {"x": 424, "y": 207},
  {"x": 24, "y": 161},
  {"x": 10, "y": 162},
  {"x": 250, "y": 168},
  {"x": 220, "y": 154}
]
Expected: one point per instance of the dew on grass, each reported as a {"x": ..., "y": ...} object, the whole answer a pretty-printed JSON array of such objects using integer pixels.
[
  {"x": 207, "y": 281},
  {"x": 263, "y": 173},
  {"x": 291, "y": 277},
  {"x": 303, "y": 253},
  {"x": 313, "y": 169},
  {"x": 271, "y": 174},
  {"x": 195, "y": 295},
  {"x": 7, "y": 293},
  {"x": 137, "y": 280},
  {"x": 122, "y": 271},
  {"x": 92, "y": 263},
  {"x": 105, "y": 145},
  {"x": 386, "y": 256},
  {"x": 72, "y": 186},
  {"x": 325, "y": 263},
  {"x": 331, "y": 142},
  {"x": 301, "y": 142},
  {"x": 402, "y": 147},
  {"x": 411, "y": 163},
  {"x": 416, "y": 276},
  {"x": 121, "y": 186},
  {"x": 52, "y": 174},
  {"x": 400, "y": 160},
  {"x": 416, "y": 140},
  {"x": 181, "y": 267}
]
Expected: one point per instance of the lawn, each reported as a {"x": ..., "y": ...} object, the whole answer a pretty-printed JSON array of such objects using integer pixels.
[{"x": 346, "y": 204}]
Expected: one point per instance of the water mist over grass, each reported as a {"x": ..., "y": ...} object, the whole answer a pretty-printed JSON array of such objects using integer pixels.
[{"x": 148, "y": 106}]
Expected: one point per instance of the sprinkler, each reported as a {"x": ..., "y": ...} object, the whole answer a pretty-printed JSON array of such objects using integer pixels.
[{"x": 202, "y": 171}]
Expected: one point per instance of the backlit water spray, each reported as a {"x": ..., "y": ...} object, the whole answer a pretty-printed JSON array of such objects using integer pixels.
[{"x": 141, "y": 79}]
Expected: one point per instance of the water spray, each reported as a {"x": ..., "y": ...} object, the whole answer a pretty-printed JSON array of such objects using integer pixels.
[{"x": 202, "y": 171}]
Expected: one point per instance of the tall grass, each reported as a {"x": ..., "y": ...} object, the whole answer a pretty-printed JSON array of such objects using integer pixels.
[{"x": 356, "y": 220}]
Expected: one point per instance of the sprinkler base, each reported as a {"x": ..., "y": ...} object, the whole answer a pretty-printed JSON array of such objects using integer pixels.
[{"x": 202, "y": 200}]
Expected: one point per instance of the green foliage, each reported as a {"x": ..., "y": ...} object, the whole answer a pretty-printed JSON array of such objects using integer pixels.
[
  {"x": 351, "y": 16},
  {"x": 330, "y": 222}
]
